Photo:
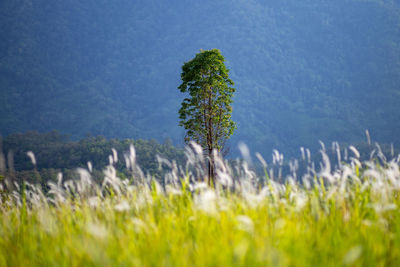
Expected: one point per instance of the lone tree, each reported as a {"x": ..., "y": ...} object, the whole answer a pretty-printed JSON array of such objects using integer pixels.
[{"x": 206, "y": 112}]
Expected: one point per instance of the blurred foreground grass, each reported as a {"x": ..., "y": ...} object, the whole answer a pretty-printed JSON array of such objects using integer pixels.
[{"x": 343, "y": 217}]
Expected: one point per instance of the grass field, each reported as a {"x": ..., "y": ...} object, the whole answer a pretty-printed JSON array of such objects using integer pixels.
[{"x": 336, "y": 216}]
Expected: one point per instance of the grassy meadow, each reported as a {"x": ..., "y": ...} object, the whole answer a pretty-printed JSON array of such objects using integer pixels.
[{"x": 345, "y": 215}]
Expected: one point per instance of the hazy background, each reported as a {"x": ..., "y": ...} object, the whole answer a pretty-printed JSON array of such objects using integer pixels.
[{"x": 304, "y": 70}]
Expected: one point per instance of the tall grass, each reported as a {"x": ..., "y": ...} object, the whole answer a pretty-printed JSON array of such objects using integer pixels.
[{"x": 344, "y": 215}]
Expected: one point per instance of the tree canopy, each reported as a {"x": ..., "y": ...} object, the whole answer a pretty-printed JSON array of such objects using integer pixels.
[{"x": 206, "y": 113}]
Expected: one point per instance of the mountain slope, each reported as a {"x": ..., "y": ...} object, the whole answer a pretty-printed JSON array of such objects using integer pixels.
[{"x": 304, "y": 70}]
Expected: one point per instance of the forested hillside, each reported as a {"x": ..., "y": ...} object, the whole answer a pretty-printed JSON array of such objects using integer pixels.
[
  {"x": 304, "y": 70},
  {"x": 55, "y": 153}
]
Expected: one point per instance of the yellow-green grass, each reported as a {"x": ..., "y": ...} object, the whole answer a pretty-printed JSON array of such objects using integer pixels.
[{"x": 347, "y": 217}]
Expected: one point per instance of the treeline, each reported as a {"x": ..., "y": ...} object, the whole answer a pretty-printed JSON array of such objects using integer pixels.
[{"x": 55, "y": 152}]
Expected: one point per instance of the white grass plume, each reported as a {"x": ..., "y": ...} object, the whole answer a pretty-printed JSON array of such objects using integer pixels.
[{"x": 32, "y": 157}]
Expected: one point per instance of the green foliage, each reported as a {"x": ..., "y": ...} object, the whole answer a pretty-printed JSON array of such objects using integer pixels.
[
  {"x": 206, "y": 113},
  {"x": 55, "y": 152}
]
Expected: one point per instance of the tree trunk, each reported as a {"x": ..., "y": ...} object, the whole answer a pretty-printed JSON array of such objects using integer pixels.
[{"x": 211, "y": 169}]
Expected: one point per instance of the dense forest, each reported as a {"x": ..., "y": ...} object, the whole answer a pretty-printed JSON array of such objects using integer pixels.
[
  {"x": 303, "y": 70},
  {"x": 56, "y": 153}
]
